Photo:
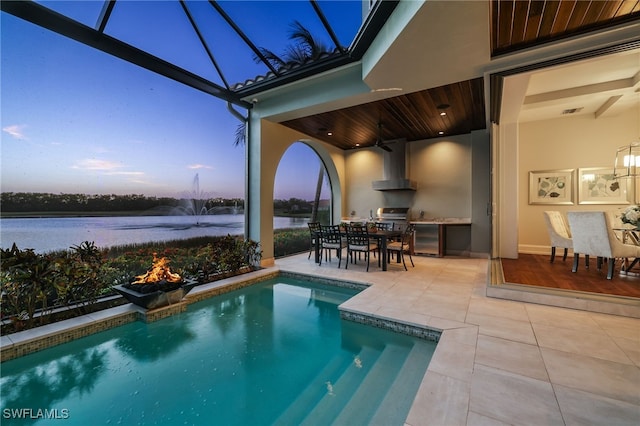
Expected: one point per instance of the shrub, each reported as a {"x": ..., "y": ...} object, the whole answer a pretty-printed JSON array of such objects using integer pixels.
[
  {"x": 27, "y": 283},
  {"x": 290, "y": 241},
  {"x": 218, "y": 255},
  {"x": 32, "y": 284},
  {"x": 80, "y": 281}
]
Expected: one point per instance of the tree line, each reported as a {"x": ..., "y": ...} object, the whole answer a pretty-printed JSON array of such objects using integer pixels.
[
  {"x": 24, "y": 202},
  {"x": 29, "y": 202}
]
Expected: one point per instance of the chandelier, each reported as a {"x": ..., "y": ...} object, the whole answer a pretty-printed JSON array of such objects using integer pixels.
[{"x": 627, "y": 162}]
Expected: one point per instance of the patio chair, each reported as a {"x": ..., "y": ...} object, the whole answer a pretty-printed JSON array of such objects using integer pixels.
[
  {"x": 402, "y": 246},
  {"x": 384, "y": 226},
  {"x": 558, "y": 232},
  {"x": 358, "y": 241},
  {"x": 331, "y": 240},
  {"x": 314, "y": 230},
  {"x": 593, "y": 234}
]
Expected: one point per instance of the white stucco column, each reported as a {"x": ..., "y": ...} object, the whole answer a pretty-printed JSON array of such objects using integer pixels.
[
  {"x": 507, "y": 202},
  {"x": 258, "y": 199}
]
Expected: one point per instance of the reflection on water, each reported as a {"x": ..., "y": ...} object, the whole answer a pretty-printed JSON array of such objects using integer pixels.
[
  {"x": 182, "y": 226},
  {"x": 51, "y": 382},
  {"x": 62, "y": 233},
  {"x": 238, "y": 359},
  {"x": 144, "y": 346}
]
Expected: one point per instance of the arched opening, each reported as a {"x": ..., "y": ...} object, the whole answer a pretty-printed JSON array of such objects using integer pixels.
[
  {"x": 266, "y": 146},
  {"x": 301, "y": 194}
]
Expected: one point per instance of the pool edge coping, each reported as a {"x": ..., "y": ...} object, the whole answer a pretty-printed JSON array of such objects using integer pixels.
[{"x": 25, "y": 342}]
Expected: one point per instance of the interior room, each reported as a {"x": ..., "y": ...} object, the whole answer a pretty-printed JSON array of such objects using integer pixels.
[{"x": 572, "y": 118}]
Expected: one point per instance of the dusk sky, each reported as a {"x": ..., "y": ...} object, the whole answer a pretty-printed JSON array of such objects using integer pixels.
[{"x": 76, "y": 120}]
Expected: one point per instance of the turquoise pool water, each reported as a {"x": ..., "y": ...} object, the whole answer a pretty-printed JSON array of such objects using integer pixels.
[{"x": 273, "y": 353}]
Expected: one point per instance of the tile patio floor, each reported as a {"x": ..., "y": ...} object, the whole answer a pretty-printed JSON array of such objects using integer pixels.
[{"x": 500, "y": 362}]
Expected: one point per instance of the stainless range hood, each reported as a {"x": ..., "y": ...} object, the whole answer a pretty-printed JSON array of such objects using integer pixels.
[{"x": 394, "y": 170}]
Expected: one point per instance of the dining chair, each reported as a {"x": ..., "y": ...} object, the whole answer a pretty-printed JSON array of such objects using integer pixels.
[
  {"x": 402, "y": 246},
  {"x": 592, "y": 233},
  {"x": 314, "y": 232},
  {"x": 331, "y": 240},
  {"x": 384, "y": 226},
  {"x": 559, "y": 233},
  {"x": 359, "y": 241}
]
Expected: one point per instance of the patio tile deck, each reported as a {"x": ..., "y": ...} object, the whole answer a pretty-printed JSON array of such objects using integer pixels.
[{"x": 498, "y": 361}]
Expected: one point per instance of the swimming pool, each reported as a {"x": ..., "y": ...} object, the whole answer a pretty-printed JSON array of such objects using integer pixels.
[{"x": 272, "y": 353}]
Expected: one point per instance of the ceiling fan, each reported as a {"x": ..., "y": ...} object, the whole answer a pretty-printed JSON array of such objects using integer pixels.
[{"x": 381, "y": 143}]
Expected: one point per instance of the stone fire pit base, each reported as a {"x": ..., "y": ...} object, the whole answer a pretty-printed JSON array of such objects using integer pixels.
[
  {"x": 156, "y": 299},
  {"x": 152, "y": 315}
]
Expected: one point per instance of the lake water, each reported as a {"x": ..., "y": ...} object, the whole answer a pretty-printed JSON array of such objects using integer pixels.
[{"x": 47, "y": 234}]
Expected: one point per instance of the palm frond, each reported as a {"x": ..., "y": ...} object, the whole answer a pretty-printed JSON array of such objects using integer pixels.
[
  {"x": 304, "y": 38},
  {"x": 296, "y": 54},
  {"x": 276, "y": 61},
  {"x": 241, "y": 135}
]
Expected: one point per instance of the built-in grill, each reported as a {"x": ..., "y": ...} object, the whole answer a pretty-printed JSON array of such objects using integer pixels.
[{"x": 399, "y": 216}]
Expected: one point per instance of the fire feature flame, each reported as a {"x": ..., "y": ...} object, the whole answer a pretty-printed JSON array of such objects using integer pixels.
[{"x": 159, "y": 271}]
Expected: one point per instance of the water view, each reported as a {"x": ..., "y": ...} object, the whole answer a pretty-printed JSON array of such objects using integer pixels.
[{"x": 47, "y": 234}]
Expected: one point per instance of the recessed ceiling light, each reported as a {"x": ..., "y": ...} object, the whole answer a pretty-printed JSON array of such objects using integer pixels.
[
  {"x": 329, "y": 133},
  {"x": 441, "y": 133},
  {"x": 443, "y": 113}
]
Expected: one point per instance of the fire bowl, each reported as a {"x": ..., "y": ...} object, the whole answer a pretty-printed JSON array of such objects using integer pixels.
[{"x": 158, "y": 298}]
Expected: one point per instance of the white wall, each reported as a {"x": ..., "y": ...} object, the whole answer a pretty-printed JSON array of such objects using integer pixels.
[
  {"x": 441, "y": 167},
  {"x": 566, "y": 143}
]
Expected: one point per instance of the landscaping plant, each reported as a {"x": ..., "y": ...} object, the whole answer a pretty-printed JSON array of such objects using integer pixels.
[{"x": 33, "y": 284}]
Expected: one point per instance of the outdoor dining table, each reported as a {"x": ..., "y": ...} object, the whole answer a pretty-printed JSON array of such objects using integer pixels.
[{"x": 381, "y": 236}]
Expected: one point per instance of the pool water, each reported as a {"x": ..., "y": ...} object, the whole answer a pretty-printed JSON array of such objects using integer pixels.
[{"x": 273, "y": 353}]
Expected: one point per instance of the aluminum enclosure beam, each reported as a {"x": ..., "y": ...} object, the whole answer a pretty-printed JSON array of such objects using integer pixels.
[{"x": 58, "y": 23}]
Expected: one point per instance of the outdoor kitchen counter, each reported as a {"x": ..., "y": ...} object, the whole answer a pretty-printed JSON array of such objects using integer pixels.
[
  {"x": 438, "y": 247},
  {"x": 443, "y": 221}
]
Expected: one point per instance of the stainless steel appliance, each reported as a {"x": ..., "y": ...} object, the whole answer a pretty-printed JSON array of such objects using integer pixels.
[
  {"x": 394, "y": 170},
  {"x": 399, "y": 216},
  {"x": 426, "y": 239}
]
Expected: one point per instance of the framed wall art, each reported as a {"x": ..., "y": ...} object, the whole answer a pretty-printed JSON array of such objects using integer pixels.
[
  {"x": 551, "y": 187},
  {"x": 596, "y": 185}
]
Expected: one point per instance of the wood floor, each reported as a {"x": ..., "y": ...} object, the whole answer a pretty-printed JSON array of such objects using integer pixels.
[{"x": 536, "y": 270}]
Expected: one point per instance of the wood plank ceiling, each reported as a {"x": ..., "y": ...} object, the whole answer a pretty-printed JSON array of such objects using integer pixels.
[
  {"x": 519, "y": 24},
  {"x": 515, "y": 25},
  {"x": 413, "y": 116}
]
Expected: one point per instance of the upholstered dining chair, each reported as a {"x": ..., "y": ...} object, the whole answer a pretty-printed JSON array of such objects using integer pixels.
[
  {"x": 314, "y": 232},
  {"x": 559, "y": 233},
  {"x": 593, "y": 234},
  {"x": 331, "y": 240}
]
